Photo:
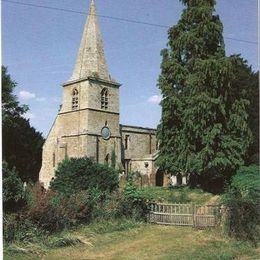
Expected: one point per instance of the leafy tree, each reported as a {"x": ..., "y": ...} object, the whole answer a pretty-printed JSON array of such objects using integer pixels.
[
  {"x": 78, "y": 174},
  {"x": 22, "y": 144},
  {"x": 10, "y": 106},
  {"x": 203, "y": 129}
]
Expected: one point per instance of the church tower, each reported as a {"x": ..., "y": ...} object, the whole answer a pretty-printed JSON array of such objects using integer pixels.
[{"x": 88, "y": 121}]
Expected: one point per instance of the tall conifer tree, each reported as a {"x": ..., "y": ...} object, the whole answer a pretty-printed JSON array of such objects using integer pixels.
[
  {"x": 203, "y": 129},
  {"x": 22, "y": 144}
]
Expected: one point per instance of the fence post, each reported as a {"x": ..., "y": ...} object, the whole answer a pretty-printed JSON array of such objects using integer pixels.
[{"x": 194, "y": 214}]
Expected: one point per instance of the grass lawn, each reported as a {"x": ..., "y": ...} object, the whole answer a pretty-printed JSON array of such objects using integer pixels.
[
  {"x": 127, "y": 239},
  {"x": 177, "y": 195}
]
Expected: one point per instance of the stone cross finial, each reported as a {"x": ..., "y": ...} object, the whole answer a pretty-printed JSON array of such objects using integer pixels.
[{"x": 91, "y": 58}]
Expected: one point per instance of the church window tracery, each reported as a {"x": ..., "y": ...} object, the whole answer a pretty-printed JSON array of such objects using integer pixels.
[
  {"x": 75, "y": 99},
  {"x": 104, "y": 98}
]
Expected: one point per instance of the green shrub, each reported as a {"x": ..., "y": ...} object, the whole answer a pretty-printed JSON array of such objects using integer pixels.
[
  {"x": 134, "y": 203},
  {"x": 17, "y": 227},
  {"x": 9, "y": 227},
  {"x": 127, "y": 203},
  {"x": 243, "y": 201},
  {"x": 77, "y": 174},
  {"x": 13, "y": 192}
]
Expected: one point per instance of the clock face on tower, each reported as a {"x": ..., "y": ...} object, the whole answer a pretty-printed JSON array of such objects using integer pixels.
[{"x": 105, "y": 132}]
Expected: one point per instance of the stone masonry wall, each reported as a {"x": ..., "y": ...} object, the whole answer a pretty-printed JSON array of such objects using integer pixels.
[{"x": 139, "y": 142}]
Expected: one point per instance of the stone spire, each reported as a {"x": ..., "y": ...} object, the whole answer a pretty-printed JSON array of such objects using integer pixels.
[{"x": 91, "y": 57}]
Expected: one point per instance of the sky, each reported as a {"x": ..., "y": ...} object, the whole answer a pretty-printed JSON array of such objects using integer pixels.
[{"x": 39, "y": 47}]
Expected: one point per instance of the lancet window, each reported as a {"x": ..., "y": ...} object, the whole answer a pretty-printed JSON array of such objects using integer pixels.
[
  {"x": 104, "y": 98},
  {"x": 75, "y": 99}
]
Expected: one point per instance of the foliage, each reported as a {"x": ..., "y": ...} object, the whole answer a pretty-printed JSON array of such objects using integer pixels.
[
  {"x": 13, "y": 191},
  {"x": 22, "y": 144},
  {"x": 134, "y": 201},
  {"x": 52, "y": 211},
  {"x": 246, "y": 83},
  {"x": 18, "y": 228},
  {"x": 22, "y": 148},
  {"x": 204, "y": 128},
  {"x": 10, "y": 106},
  {"x": 131, "y": 191},
  {"x": 77, "y": 174},
  {"x": 49, "y": 212},
  {"x": 41, "y": 212},
  {"x": 119, "y": 205},
  {"x": 126, "y": 203},
  {"x": 243, "y": 201}
]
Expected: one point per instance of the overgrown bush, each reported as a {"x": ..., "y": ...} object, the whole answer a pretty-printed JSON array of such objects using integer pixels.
[
  {"x": 77, "y": 174},
  {"x": 126, "y": 203},
  {"x": 55, "y": 211},
  {"x": 13, "y": 192},
  {"x": 82, "y": 192},
  {"x": 242, "y": 201},
  {"x": 17, "y": 227},
  {"x": 135, "y": 204}
]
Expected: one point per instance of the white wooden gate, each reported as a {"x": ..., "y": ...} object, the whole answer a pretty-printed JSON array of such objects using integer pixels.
[{"x": 183, "y": 214}]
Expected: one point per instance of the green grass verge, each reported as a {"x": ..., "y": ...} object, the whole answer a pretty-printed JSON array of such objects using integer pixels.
[
  {"x": 127, "y": 239},
  {"x": 110, "y": 226},
  {"x": 176, "y": 195}
]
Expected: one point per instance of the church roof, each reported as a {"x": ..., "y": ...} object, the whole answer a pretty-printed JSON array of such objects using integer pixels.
[{"x": 91, "y": 60}]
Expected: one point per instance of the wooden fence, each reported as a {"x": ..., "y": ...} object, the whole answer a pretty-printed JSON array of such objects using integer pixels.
[{"x": 184, "y": 214}]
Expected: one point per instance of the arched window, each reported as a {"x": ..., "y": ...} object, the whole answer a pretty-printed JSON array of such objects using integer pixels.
[
  {"x": 75, "y": 99},
  {"x": 104, "y": 98}
]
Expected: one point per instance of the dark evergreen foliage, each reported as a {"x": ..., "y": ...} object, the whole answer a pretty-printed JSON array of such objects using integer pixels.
[
  {"x": 77, "y": 174},
  {"x": 22, "y": 144},
  {"x": 243, "y": 204},
  {"x": 22, "y": 148},
  {"x": 10, "y": 106},
  {"x": 13, "y": 193},
  {"x": 203, "y": 129},
  {"x": 246, "y": 84}
]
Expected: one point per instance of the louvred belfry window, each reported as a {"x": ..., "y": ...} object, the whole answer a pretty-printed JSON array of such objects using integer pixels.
[
  {"x": 104, "y": 98},
  {"x": 75, "y": 99}
]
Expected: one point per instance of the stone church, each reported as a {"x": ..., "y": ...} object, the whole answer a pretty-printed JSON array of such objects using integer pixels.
[{"x": 88, "y": 124}]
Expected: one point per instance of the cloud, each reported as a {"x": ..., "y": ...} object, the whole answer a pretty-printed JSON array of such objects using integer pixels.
[
  {"x": 26, "y": 95},
  {"x": 155, "y": 99}
]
